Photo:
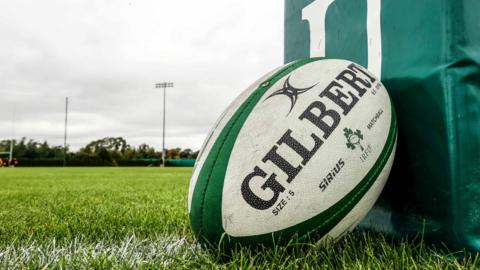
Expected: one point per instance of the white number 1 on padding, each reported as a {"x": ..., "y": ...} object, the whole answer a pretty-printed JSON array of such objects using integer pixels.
[{"x": 315, "y": 14}]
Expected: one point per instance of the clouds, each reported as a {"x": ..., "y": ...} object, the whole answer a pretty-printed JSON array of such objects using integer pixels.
[{"x": 107, "y": 55}]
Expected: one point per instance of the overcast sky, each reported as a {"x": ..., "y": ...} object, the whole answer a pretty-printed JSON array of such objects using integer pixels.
[{"x": 107, "y": 55}]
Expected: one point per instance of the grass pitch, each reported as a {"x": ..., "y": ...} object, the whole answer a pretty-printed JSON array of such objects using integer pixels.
[{"x": 137, "y": 218}]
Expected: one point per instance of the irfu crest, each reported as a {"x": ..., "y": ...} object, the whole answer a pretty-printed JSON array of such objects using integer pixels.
[{"x": 353, "y": 138}]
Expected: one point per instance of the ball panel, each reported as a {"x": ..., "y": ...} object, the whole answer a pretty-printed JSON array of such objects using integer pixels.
[
  {"x": 268, "y": 122},
  {"x": 356, "y": 215},
  {"x": 217, "y": 128},
  {"x": 207, "y": 190},
  {"x": 324, "y": 222},
  {"x": 205, "y": 210}
]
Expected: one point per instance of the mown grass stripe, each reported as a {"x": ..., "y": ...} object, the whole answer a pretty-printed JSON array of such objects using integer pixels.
[{"x": 124, "y": 218}]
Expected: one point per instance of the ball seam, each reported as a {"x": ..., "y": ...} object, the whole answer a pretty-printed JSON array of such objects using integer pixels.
[
  {"x": 384, "y": 161},
  {"x": 241, "y": 111}
]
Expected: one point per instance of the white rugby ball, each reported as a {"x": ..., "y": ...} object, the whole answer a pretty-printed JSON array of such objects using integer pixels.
[{"x": 304, "y": 152}]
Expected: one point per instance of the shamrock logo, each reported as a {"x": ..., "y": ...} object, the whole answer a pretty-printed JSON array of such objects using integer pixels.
[{"x": 353, "y": 138}]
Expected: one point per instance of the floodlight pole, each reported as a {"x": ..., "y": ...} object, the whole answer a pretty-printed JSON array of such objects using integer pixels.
[
  {"x": 10, "y": 156},
  {"x": 65, "y": 134},
  {"x": 164, "y": 85}
]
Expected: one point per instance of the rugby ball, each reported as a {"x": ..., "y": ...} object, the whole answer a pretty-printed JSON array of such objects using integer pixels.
[{"x": 302, "y": 153}]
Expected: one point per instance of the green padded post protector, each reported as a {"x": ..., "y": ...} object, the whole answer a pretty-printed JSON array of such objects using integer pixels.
[{"x": 427, "y": 53}]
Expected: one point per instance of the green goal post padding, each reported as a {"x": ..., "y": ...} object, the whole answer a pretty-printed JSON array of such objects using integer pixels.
[{"x": 428, "y": 56}]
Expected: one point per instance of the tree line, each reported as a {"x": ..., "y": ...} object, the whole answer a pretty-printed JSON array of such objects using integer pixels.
[{"x": 109, "y": 151}]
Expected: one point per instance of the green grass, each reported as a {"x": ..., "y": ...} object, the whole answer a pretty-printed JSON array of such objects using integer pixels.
[{"x": 137, "y": 218}]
